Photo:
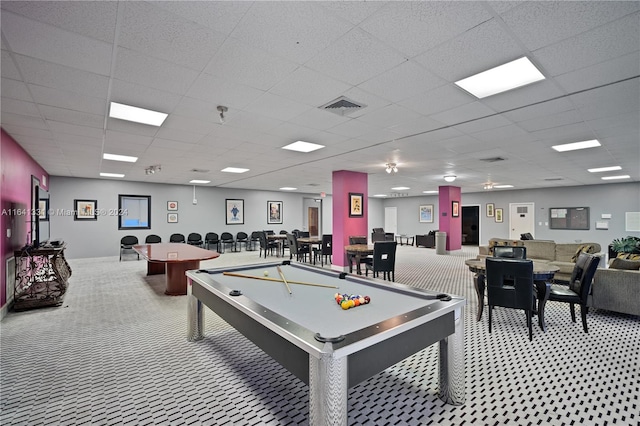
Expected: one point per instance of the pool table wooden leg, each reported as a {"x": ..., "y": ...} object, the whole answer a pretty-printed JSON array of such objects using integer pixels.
[
  {"x": 328, "y": 391},
  {"x": 452, "y": 384},
  {"x": 195, "y": 316}
]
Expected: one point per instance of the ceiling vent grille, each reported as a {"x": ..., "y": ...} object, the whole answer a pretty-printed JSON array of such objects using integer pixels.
[
  {"x": 553, "y": 178},
  {"x": 342, "y": 106},
  {"x": 200, "y": 171},
  {"x": 492, "y": 159}
]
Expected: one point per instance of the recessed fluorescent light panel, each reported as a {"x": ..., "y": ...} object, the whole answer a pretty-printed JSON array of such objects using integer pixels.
[
  {"x": 505, "y": 77},
  {"x": 199, "y": 181},
  {"x": 400, "y": 188},
  {"x": 302, "y": 146},
  {"x": 288, "y": 188},
  {"x": 116, "y": 157},
  {"x": 605, "y": 169},
  {"x": 118, "y": 175},
  {"x": 234, "y": 170},
  {"x": 503, "y": 186},
  {"x": 137, "y": 115},
  {"x": 429, "y": 192},
  {"x": 576, "y": 145},
  {"x": 615, "y": 177},
  {"x": 380, "y": 195}
]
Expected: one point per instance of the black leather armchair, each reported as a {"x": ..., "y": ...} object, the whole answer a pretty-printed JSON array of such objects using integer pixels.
[{"x": 427, "y": 240}]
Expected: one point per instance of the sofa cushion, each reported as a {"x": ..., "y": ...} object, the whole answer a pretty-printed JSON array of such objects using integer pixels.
[
  {"x": 628, "y": 256},
  {"x": 584, "y": 248},
  {"x": 542, "y": 250},
  {"x": 618, "y": 263}
]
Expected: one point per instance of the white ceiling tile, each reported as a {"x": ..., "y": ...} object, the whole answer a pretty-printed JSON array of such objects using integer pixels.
[
  {"x": 436, "y": 100},
  {"x": 16, "y": 106},
  {"x": 541, "y": 23},
  {"x": 30, "y": 38},
  {"x": 461, "y": 114},
  {"x": 316, "y": 118},
  {"x": 354, "y": 12},
  {"x": 143, "y": 96},
  {"x": 402, "y": 82},
  {"x": 222, "y": 91},
  {"x": 428, "y": 23},
  {"x": 60, "y": 128},
  {"x": 159, "y": 33},
  {"x": 276, "y": 107},
  {"x": 627, "y": 66},
  {"x": 356, "y": 57},
  {"x": 67, "y": 100},
  {"x": 303, "y": 29},
  {"x": 23, "y": 120},
  {"x": 28, "y": 132},
  {"x": 219, "y": 16},
  {"x": 72, "y": 117},
  {"x": 309, "y": 87},
  {"x": 248, "y": 66},
  {"x": 9, "y": 69}
]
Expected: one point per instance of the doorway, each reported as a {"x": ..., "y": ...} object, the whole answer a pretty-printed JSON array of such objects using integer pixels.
[
  {"x": 471, "y": 225},
  {"x": 312, "y": 220},
  {"x": 521, "y": 220}
]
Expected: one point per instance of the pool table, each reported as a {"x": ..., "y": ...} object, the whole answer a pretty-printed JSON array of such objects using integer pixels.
[{"x": 327, "y": 347}]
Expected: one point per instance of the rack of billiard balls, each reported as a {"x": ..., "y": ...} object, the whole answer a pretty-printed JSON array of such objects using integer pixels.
[{"x": 347, "y": 301}]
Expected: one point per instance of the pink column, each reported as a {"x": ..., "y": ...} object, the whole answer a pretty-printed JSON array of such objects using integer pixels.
[
  {"x": 446, "y": 221},
  {"x": 345, "y": 182}
]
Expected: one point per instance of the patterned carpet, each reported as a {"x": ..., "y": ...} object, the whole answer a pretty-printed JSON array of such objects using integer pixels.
[{"x": 115, "y": 353}]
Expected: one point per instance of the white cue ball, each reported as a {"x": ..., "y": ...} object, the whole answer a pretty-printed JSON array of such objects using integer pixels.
[{"x": 266, "y": 273}]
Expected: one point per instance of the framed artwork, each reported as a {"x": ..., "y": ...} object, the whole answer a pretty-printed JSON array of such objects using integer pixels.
[
  {"x": 43, "y": 209},
  {"x": 172, "y": 206},
  {"x": 134, "y": 211},
  {"x": 490, "y": 209},
  {"x": 172, "y": 217},
  {"x": 455, "y": 208},
  {"x": 274, "y": 211},
  {"x": 355, "y": 205},
  {"x": 499, "y": 215},
  {"x": 234, "y": 211},
  {"x": 85, "y": 209},
  {"x": 426, "y": 213}
]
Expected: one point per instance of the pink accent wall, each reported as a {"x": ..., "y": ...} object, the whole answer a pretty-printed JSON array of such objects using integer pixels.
[
  {"x": 16, "y": 167},
  {"x": 345, "y": 182},
  {"x": 446, "y": 222}
]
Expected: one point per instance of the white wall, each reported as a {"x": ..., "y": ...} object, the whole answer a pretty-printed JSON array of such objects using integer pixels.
[{"x": 102, "y": 238}]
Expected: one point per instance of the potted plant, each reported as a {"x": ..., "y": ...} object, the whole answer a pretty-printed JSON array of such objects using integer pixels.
[{"x": 626, "y": 245}]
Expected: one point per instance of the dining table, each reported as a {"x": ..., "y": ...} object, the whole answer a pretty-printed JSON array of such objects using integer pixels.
[
  {"x": 279, "y": 239},
  {"x": 542, "y": 275},
  {"x": 355, "y": 253},
  {"x": 310, "y": 242}
]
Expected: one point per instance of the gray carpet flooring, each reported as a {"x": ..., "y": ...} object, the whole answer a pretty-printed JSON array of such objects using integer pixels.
[{"x": 116, "y": 353}]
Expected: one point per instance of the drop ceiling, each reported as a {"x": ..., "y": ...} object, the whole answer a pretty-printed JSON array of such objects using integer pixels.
[{"x": 274, "y": 65}]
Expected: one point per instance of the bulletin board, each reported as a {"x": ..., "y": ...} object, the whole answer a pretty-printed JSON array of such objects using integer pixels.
[{"x": 569, "y": 218}]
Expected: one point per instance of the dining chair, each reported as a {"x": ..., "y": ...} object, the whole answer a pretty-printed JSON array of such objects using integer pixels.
[
  {"x": 357, "y": 240},
  {"x": 194, "y": 239},
  {"x": 517, "y": 293},
  {"x": 242, "y": 238},
  {"x": 253, "y": 239},
  {"x": 510, "y": 252},
  {"x": 383, "y": 260},
  {"x": 176, "y": 238},
  {"x": 326, "y": 249},
  {"x": 297, "y": 250},
  {"x": 212, "y": 238},
  {"x": 577, "y": 292},
  {"x": 127, "y": 243}
]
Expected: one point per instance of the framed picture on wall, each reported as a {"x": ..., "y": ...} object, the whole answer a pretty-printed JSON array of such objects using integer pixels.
[
  {"x": 172, "y": 206},
  {"x": 490, "y": 209},
  {"x": 455, "y": 208},
  {"x": 85, "y": 209},
  {"x": 43, "y": 209},
  {"x": 426, "y": 213},
  {"x": 234, "y": 211},
  {"x": 274, "y": 212},
  {"x": 172, "y": 217},
  {"x": 499, "y": 215},
  {"x": 355, "y": 205}
]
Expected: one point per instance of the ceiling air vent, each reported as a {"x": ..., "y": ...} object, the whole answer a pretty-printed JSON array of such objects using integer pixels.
[
  {"x": 342, "y": 106},
  {"x": 492, "y": 159},
  {"x": 552, "y": 179},
  {"x": 200, "y": 171}
]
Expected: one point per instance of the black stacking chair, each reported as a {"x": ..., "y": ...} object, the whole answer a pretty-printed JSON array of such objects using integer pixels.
[
  {"x": 212, "y": 238},
  {"x": 127, "y": 243},
  {"x": 226, "y": 239},
  {"x": 384, "y": 260},
  {"x": 326, "y": 249},
  {"x": 579, "y": 287},
  {"x": 242, "y": 238},
  {"x": 265, "y": 244},
  {"x": 194, "y": 239},
  {"x": 510, "y": 285},
  {"x": 152, "y": 239},
  {"x": 297, "y": 250},
  {"x": 357, "y": 240},
  {"x": 176, "y": 238},
  {"x": 253, "y": 239},
  {"x": 510, "y": 252},
  {"x": 285, "y": 244}
]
